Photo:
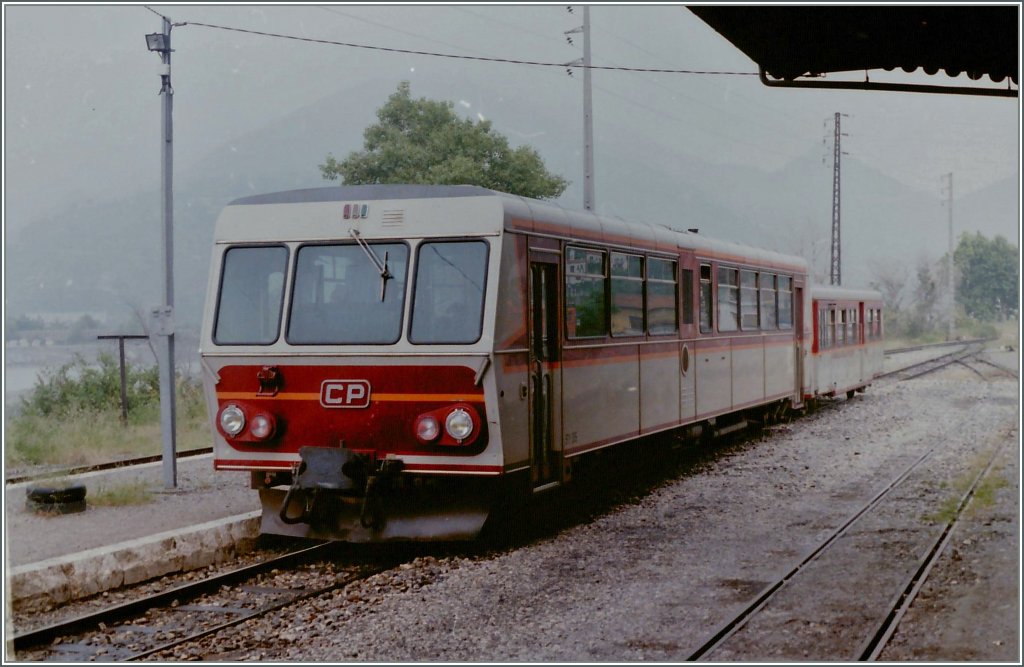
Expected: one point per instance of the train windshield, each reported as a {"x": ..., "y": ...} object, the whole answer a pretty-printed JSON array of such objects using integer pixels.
[
  {"x": 340, "y": 298},
  {"x": 448, "y": 304},
  {"x": 251, "y": 288}
]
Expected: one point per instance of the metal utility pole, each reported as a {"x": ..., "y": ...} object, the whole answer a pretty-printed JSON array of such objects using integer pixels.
[
  {"x": 588, "y": 119},
  {"x": 588, "y": 115},
  {"x": 163, "y": 317},
  {"x": 836, "y": 272},
  {"x": 950, "y": 287}
]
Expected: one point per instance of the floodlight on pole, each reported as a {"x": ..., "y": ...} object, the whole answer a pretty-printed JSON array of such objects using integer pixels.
[{"x": 158, "y": 41}]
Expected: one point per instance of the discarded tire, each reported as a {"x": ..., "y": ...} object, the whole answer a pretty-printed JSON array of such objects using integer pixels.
[{"x": 56, "y": 499}]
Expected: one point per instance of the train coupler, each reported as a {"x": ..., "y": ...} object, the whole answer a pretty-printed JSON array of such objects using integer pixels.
[
  {"x": 324, "y": 472},
  {"x": 339, "y": 494},
  {"x": 322, "y": 469}
]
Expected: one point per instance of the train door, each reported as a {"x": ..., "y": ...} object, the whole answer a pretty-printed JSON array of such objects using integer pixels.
[
  {"x": 689, "y": 273},
  {"x": 545, "y": 455},
  {"x": 798, "y": 330}
]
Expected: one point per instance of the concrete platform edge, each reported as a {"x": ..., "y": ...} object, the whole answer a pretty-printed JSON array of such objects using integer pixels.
[{"x": 43, "y": 585}]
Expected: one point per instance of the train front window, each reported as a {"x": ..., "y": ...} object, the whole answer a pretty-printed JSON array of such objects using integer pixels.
[
  {"x": 448, "y": 302},
  {"x": 249, "y": 303},
  {"x": 340, "y": 299}
]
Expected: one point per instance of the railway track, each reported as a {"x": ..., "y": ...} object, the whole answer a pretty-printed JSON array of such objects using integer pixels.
[
  {"x": 987, "y": 370},
  {"x": 931, "y": 365},
  {"x": 190, "y": 612},
  {"x": 929, "y": 346},
  {"x": 109, "y": 465},
  {"x": 874, "y": 641}
]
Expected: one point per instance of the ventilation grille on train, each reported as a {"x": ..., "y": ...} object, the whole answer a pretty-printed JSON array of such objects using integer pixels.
[{"x": 392, "y": 218}]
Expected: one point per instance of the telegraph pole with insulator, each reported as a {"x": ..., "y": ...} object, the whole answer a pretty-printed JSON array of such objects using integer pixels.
[{"x": 588, "y": 115}]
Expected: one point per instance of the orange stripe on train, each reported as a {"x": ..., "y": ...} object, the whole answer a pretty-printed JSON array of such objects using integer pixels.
[{"x": 374, "y": 398}]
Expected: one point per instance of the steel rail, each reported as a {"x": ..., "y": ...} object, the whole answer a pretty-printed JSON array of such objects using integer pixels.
[
  {"x": 732, "y": 626},
  {"x": 79, "y": 624},
  {"x": 1006, "y": 371},
  {"x": 110, "y": 465},
  {"x": 365, "y": 572},
  {"x": 876, "y": 642},
  {"x": 971, "y": 369},
  {"x": 927, "y": 346}
]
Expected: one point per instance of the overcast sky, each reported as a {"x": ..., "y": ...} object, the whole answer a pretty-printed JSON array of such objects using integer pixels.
[{"x": 82, "y": 111}]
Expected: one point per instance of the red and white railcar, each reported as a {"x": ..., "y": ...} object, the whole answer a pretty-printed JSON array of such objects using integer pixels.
[
  {"x": 390, "y": 362},
  {"x": 846, "y": 352}
]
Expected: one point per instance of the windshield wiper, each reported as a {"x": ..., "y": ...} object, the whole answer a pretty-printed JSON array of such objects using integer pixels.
[{"x": 382, "y": 267}]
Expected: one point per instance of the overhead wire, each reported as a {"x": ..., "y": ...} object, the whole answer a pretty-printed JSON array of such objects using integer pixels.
[
  {"x": 390, "y": 27},
  {"x": 155, "y": 12},
  {"x": 633, "y": 102},
  {"x": 434, "y": 54},
  {"x": 746, "y": 118}
]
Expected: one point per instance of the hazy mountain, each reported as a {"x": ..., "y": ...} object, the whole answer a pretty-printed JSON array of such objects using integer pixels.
[{"x": 105, "y": 255}]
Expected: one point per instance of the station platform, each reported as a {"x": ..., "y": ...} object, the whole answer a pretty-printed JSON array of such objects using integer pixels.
[{"x": 207, "y": 517}]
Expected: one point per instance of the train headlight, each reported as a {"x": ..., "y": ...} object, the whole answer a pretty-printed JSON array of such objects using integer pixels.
[
  {"x": 232, "y": 420},
  {"x": 459, "y": 424},
  {"x": 427, "y": 428},
  {"x": 262, "y": 426}
]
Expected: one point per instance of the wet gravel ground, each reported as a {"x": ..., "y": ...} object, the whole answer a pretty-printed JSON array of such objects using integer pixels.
[{"x": 652, "y": 577}]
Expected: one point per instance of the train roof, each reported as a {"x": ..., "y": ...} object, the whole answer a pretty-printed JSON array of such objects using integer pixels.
[
  {"x": 347, "y": 193},
  {"x": 830, "y": 292},
  {"x": 521, "y": 211}
]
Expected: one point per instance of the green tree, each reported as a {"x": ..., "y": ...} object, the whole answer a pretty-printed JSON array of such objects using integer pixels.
[
  {"x": 988, "y": 270},
  {"x": 423, "y": 141}
]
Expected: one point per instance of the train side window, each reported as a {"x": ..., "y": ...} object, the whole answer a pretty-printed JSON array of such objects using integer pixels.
[
  {"x": 627, "y": 312},
  {"x": 869, "y": 324},
  {"x": 251, "y": 291},
  {"x": 662, "y": 300},
  {"x": 822, "y": 329},
  {"x": 832, "y": 327},
  {"x": 748, "y": 300},
  {"x": 878, "y": 323},
  {"x": 768, "y": 312},
  {"x": 728, "y": 299},
  {"x": 585, "y": 297},
  {"x": 785, "y": 302},
  {"x": 706, "y": 303},
  {"x": 687, "y": 296},
  {"x": 843, "y": 329}
]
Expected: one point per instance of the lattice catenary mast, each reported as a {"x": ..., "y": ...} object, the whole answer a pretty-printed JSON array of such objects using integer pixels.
[{"x": 836, "y": 271}]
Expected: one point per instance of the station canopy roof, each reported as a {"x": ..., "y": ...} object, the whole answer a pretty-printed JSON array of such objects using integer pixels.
[{"x": 789, "y": 42}]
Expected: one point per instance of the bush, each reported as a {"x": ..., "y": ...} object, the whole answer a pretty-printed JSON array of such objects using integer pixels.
[{"x": 78, "y": 387}]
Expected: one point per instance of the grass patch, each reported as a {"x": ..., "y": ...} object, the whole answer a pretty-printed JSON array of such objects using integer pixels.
[
  {"x": 984, "y": 494},
  {"x": 119, "y": 495}
]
